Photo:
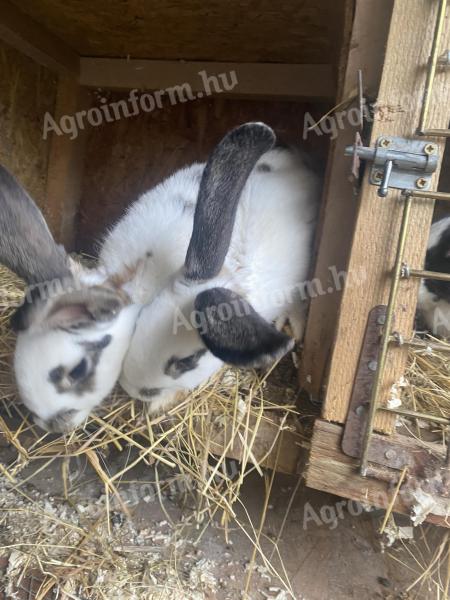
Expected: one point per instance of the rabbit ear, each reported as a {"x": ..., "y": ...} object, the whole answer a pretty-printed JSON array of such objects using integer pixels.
[
  {"x": 26, "y": 244},
  {"x": 77, "y": 309},
  {"x": 234, "y": 332},
  {"x": 223, "y": 180}
]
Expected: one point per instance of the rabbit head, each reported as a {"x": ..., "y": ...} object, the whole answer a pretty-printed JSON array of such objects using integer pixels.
[
  {"x": 71, "y": 338},
  {"x": 200, "y": 320}
]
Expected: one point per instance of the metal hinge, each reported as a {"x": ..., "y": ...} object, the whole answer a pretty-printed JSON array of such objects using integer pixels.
[{"x": 399, "y": 163}]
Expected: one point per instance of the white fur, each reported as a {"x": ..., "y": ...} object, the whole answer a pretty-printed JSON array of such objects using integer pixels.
[{"x": 269, "y": 256}]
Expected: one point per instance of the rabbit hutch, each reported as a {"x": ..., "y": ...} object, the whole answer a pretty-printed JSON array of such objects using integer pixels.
[{"x": 101, "y": 101}]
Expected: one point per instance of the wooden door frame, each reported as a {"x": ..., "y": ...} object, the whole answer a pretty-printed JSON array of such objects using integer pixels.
[{"x": 373, "y": 249}]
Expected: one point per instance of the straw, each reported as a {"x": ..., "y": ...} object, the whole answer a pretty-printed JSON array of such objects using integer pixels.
[{"x": 193, "y": 442}]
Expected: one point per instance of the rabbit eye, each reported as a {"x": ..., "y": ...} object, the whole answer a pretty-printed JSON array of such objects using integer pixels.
[{"x": 80, "y": 371}]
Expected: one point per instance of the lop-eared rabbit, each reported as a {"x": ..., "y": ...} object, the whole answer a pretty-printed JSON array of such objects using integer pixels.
[
  {"x": 434, "y": 296},
  {"x": 203, "y": 269}
]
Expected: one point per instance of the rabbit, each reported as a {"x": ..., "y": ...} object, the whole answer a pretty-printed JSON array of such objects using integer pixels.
[
  {"x": 434, "y": 296},
  {"x": 64, "y": 358},
  {"x": 202, "y": 270}
]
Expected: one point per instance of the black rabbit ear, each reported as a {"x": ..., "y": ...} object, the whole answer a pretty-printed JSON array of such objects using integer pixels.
[
  {"x": 223, "y": 180},
  {"x": 26, "y": 245},
  {"x": 234, "y": 332}
]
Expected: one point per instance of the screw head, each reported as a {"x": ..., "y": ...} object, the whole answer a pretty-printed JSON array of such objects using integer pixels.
[
  {"x": 381, "y": 320},
  {"x": 385, "y": 142},
  {"x": 421, "y": 182},
  {"x": 430, "y": 149},
  {"x": 390, "y": 454},
  {"x": 373, "y": 365},
  {"x": 378, "y": 175}
]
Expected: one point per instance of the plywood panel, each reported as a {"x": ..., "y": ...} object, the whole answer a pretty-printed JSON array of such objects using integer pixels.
[
  {"x": 127, "y": 157},
  {"x": 33, "y": 40},
  {"x": 291, "y": 31},
  {"x": 27, "y": 92}
]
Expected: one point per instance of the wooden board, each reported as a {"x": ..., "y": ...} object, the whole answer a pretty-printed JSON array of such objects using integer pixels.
[
  {"x": 289, "y": 458},
  {"x": 127, "y": 157},
  {"x": 234, "y": 30},
  {"x": 331, "y": 471},
  {"x": 33, "y": 40},
  {"x": 27, "y": 92},
  {"x": 370, "y": 27},
  {"x": 236, "y": 79},
  {"x": 376, "y": 234},
  {"x": 66, "y": 164}
]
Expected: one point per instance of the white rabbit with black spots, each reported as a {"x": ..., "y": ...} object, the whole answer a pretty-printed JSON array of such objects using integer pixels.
[{"x": 203, "y": 269}]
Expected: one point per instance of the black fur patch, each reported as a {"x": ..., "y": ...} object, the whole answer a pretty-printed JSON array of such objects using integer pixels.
[
  {"x": 23, "y": 317},
  {"x": 223, "y": 180},
  {"x": 56, "y": 374},
  {"x": 438, "y": 259},
  {"x": 176, "y": 367},
  {"x": 99, "y": 345},
  {"x": 149, "y": 392},
  {"x": 19, "y": 320},
  {"x": 61, "y": 378},
  {"x": 236, "y": 333}
]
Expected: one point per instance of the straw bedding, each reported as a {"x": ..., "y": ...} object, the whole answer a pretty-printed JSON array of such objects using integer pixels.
[
  {"x": 224, "y": 417},
  {"x": 75, "y": 550},
  {"x": 427, "y": 380}
]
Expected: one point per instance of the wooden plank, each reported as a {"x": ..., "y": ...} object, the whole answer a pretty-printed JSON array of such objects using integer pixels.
[
  {"x": 332, "y": 471},
  {"x": 237, "y": 31},
  {"x": 65, "y": 167},
  {"x": 339, "y": 207},
  {"x": 33, "y": 40},
  {"x": 377, "y": 227},
  {"x": 291, "y": 454},
  {"x": 252, "y": 79}
]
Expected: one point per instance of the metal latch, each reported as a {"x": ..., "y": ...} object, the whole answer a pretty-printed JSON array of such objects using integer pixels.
[{"x": 399, "y": 163}]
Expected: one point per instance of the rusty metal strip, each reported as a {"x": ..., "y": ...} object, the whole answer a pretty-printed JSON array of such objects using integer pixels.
[{"x": 356, "y": 423}]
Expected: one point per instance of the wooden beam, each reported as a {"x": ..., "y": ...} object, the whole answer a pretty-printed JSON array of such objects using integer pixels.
[
  {"x": 252, "y": 79},
  {"x": 30, "y": 38},
  {"x": 291, "y": 454},
  {"x": 376, "y": 233},
  {"x": 332, "y": 471},
  {"x": 66, "y": 162},
  {"x": 365, "y": 50}
]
